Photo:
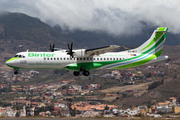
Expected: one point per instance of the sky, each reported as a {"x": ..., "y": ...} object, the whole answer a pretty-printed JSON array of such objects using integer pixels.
[{"x": 116, "y": 17}]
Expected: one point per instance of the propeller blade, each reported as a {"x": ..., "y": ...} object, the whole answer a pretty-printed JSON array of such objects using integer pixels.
[
  {"x": 53, "y": 47},
  {"x": 68, "y": 46},
  {"x": 71, "y": 46},
  {"x": 50, "y": 46}
]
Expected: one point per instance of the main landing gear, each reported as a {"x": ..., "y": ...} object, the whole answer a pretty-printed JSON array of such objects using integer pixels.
[{"x": 77, "y": 73}]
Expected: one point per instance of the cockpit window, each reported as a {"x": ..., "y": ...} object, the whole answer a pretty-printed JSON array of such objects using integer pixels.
[
  {"x": 20, "y": 56},
  {"x": 16, "y": 56}
]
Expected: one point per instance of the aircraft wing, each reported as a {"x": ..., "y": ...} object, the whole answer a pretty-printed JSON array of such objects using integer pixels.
[{"x": 100, "y": 50}]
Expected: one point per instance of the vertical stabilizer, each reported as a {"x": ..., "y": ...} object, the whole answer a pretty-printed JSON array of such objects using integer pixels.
[{"x": 155, "y": 43}]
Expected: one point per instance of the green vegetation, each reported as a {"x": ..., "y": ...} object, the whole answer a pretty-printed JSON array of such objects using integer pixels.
[{"x": 155, "y": 84}]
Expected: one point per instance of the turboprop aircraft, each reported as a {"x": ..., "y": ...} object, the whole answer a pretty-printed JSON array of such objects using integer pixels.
[{"x": 85, "y": 60}]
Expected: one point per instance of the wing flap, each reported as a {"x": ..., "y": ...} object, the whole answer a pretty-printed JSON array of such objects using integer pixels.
[{"x": 101, "y": 50}]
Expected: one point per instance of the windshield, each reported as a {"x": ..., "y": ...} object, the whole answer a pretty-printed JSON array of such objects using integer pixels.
[
  {"x": 20, "y": 56},
  {"x": 16, "y": 55}
]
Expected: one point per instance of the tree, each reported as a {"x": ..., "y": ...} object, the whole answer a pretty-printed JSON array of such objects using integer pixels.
[
  {"x": 162, "y": 81},
  {"x": 106, "y": 108},
  {"x": 17, "y": 114},
  {"x": 154, "y": 85}
]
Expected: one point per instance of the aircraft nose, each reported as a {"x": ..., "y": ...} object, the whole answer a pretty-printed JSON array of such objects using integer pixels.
[{"x": 9, "y": 62}]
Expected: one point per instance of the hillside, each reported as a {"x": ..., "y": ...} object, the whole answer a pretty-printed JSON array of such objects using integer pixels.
[
  {"x": 19, "y": 32},
  {"x": 100, "y": 38}
]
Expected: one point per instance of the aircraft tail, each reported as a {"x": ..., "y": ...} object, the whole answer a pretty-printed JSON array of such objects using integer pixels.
[{"x": 155, "y": 43}]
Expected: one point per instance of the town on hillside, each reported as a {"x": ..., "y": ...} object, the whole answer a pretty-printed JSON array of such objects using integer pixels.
[{"x": 88, "y": 97}]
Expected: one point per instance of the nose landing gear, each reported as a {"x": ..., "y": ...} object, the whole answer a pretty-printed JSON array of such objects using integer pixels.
[{"x": 16, "y": 71}]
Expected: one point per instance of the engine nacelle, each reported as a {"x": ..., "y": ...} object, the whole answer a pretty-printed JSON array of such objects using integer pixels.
[{"x": 80, "y": 53}]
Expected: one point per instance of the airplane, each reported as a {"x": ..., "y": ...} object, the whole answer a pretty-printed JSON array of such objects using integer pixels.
[{"x": 85, "y": 60}]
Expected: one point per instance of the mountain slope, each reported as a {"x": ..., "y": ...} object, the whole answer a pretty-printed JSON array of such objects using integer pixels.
[
  {"x": 99, "y": 38},
  {"x": 19, "y": 32}
]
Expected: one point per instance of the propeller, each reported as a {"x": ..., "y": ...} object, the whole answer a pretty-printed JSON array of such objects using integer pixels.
[
  {"x": 52, "y": 49},
  {"x": 70, "y": 52}
]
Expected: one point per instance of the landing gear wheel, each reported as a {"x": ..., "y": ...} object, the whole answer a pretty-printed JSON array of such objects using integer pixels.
[
  {"x": 76, "y": 73},
  {"x": 86, "y": 73},
  {"x": 15, "y": 72}
]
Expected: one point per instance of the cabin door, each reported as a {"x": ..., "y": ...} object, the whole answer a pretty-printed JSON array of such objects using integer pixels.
[{"x": 129, "y": 57}]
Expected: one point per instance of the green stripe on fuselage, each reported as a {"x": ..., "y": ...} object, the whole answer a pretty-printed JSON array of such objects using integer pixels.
[
  {"x": 142, "y": 62},
  {"x": 14, "y": 58}
]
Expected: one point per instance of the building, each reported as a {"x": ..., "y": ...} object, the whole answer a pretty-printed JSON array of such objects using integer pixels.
[
  {"x": 176, "y": 109},
  {"x": 172, "y": 99}
]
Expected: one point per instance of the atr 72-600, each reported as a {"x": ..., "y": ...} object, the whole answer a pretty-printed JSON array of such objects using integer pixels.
[{"x": 84, "y": 60}]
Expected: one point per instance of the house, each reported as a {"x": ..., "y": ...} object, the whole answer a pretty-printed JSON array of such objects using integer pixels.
[
  {"x": 108, "y": 95},
  {"x": 172, "y": 99},
  {"x": 70, "y": 91},
  {"x": 65, "y": 112},
  {"x": 176, "y": 109},
  {"x": 3, "y": 86}
]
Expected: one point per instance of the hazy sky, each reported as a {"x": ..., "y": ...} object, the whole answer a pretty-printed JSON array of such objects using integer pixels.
[{"x": 113, "y": 16}]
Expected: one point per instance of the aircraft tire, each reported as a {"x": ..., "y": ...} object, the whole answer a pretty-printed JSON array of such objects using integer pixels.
[
  {"x": 16, "y": 72},
  {"x": 76, "y": 73},
  {"x": 86, "y": 73}
]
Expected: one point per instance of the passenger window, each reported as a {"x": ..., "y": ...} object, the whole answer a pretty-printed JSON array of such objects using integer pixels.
[
  {"x": 74, "y": 58},
  {"x": 101, "y": 58},
  {"x": 23, "y": 56},
  {"x": 54, "y": 58},
  {"x": 107, "y": 58},
  {"x": 67, "y": 58},
  {"x": 90, "y": 58},
  {"x": 116, "y": 58},
  {"x": 57, "y": 58},
  {"x": 104, "y": 58},
  {"x": 87, "y": 58},
  {"x": 44, "y": 58},
  {"x": 113, "y": 58},
  {"x": 80, "y": 58},
  {"x": 20, "y": 56},
  {"x": 97, "y": 58},
  {"x": 84, "y": 58},
  {"x": 110, "y": 58},
  {"x": 120, "y": 58},
  {"x": 77, "y": 58},
  {"x": 51, "y": 58},
  {"x": 64, "y": 58},
  {"x": 123, "y": 58},
  {"x": 94, "y": 58},
  {"x": 47, "y": 58},
  {"x": 60, "y": 58}
]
